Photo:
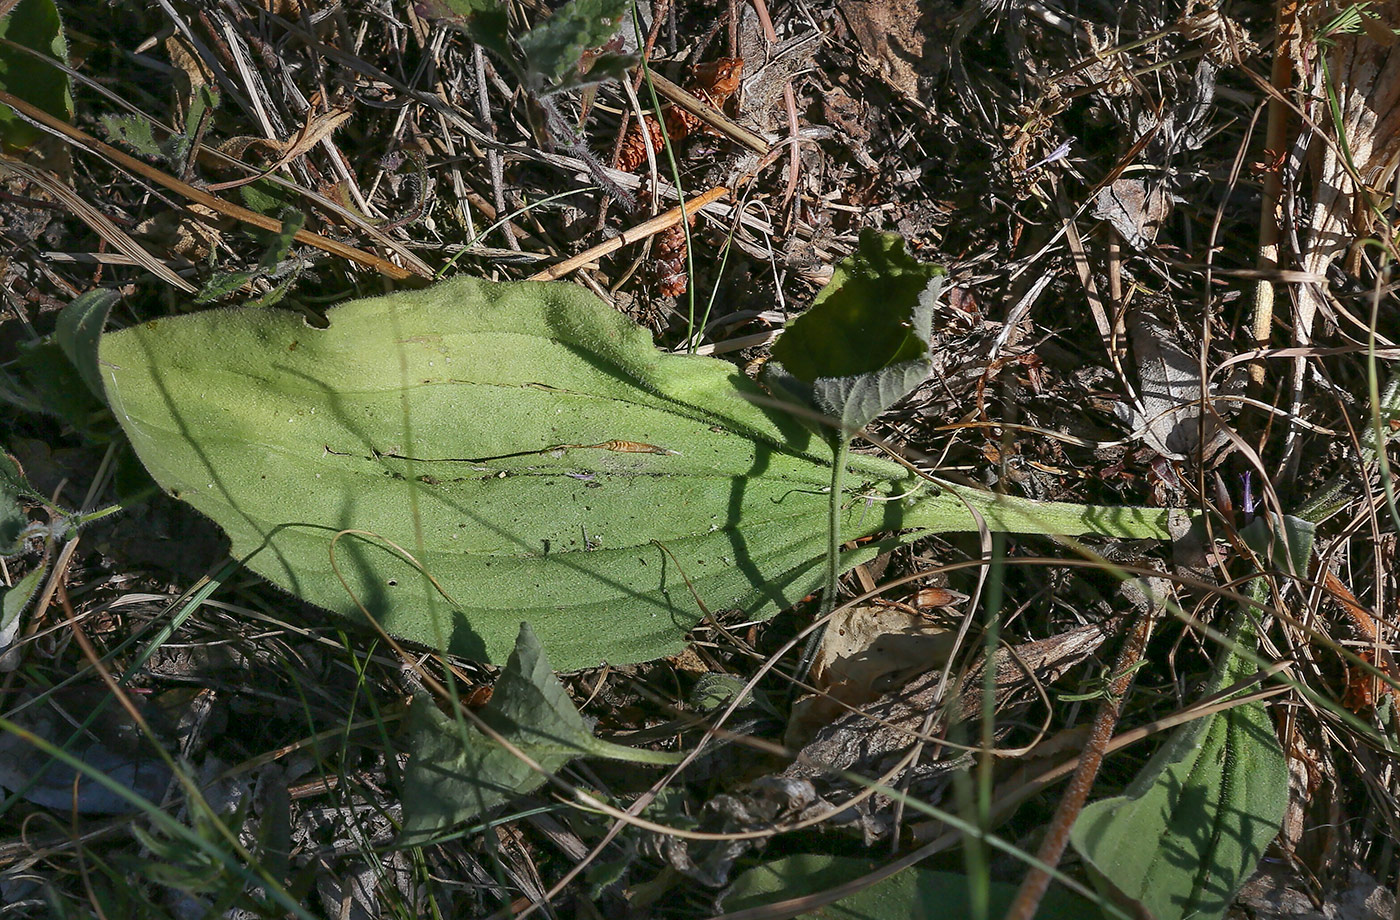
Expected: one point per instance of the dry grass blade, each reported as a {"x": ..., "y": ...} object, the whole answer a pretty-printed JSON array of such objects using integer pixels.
[
  {"x": 114, "y": 235},
  {"x": 85, "y": 141}
]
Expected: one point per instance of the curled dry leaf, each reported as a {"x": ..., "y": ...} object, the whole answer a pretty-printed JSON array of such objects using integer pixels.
[
  {"x": 867, "y": 740},
  {"x": 866, "y": 651}
]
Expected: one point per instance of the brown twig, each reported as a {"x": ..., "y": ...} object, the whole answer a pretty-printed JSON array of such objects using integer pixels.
[
  {"x": 1072, "y": 803},
  {"x": 635, "y": 235},
  {"x": 709, "y": 114},
  {"x": 789, "y": 102}
]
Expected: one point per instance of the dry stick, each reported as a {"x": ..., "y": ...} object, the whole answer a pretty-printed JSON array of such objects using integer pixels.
[
  {"x": 228, "y": 209},
  {"x": 636, "y": 234},
  {"x": 710, "y": 115},
  {"x": 1275, "y": 136},
  {"x": 1072, "y": 803},
  {"x": 789, "y": 101},
  {"x": 493, "y": 156}
]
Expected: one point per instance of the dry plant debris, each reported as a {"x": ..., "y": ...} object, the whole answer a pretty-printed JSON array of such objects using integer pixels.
[{"x": 1092, "y": 174}]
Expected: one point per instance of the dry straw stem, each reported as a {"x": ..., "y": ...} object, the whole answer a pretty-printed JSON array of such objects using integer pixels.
[
  {"x": 87, "y": 142},
  {"x": 1359, "y": 80},
  {"x": 112, "y": 234},
  {"x": 635, "y": 235},
  {"x": 710, "y": 115},
  {"x": 1276, "y": 133}
]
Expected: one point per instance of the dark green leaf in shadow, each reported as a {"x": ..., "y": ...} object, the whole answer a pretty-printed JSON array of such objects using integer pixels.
[
  {"x": 1192, "y": 826},
  {"x": 79, "y": 329},
  {"x": 33, "y": 24},
  {"x": 914, "y": 894},
  {"x": 13, "y": 520},
  {"x": 456, "y": 772},
  {"x": 44, "y": 369}
]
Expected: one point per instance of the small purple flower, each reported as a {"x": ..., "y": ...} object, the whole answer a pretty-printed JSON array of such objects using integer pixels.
[{"x": 1248, "y": 503}]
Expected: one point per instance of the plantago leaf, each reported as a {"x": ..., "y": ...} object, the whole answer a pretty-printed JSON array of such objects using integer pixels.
[
  {"x": 78, "y": 330},
  {"x": 903, "y": 896},
  {"x": 456, "y": 772},
  {"x": 1191, "y": 828},
  {"x": 531, "y": 450}
]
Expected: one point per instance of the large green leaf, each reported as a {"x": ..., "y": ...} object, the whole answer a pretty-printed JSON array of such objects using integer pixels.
[
  {"x": 456, "y": 772},
  {"x": 556, "y": 467}
]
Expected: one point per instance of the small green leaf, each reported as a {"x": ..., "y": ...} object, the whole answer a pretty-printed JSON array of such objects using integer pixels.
[
  {"x": 863, "y": 344},
  {"x": 913, "y": 894},
  {"x": 79, "y": 329},
  {"x": 266, "y": 198},
  {"x": 33, "y": 24},
  {"x": 12, "y": 603},
  {"x": 281, "y": 242},
  {"x": 875, "y": 312},
  {"x": 176, "y": 148},
  {"x": 135, "y": 131},
  {"x": 456, "y": 773},
  {"x": 12, "y": 481},
  {"x": 222, "y": 284},
  {"x": 554, "y": 47},
  {"x": 13, "y": 520},
  {"x": 1289, "y": 550}
]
